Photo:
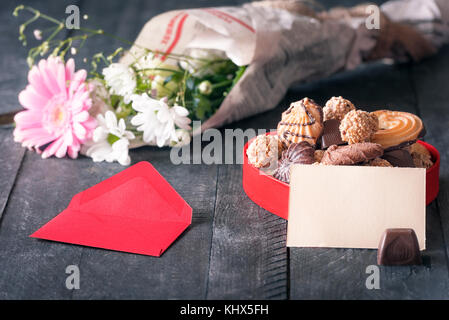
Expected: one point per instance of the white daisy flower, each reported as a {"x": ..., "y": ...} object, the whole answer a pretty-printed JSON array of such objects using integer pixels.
[
  {"x": 180, "y": 117},
  {"x": 169, "y": 117},
  {"x": 121, "y": 79},
  {"x": 146, "y": 118},
  {"x": 110, "y": 140}
]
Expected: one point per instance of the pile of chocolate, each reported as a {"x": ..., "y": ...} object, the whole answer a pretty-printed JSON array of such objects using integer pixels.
[{"x": 339, "y": 134}]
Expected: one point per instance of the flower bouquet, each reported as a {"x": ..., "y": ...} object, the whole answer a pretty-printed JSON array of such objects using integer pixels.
[
  {"x": 214, "y": 65},
  {"x": 150, "y": 100}
]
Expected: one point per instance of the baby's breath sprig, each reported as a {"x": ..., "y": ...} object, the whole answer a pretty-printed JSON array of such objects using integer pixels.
[
  {"x": 50, "y": 44},
  {"x": 61, "y": 47}
]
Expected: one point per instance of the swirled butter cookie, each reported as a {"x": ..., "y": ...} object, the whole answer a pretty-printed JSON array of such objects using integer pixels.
[{"x": 396, "y": 127}]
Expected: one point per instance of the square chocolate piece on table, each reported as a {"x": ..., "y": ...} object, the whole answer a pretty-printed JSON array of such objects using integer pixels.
[{"x": 399, "y": 247}]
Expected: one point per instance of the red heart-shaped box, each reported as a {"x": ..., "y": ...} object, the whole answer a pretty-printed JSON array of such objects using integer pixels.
[{"x": 272, "y": 194}]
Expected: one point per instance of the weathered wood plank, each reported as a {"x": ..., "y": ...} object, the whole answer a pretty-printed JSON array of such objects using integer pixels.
[
  {"x": 31, "y": 268},
  {"x": 340, "y": 273},
  {"x": 430, "y": 79},
  {"x": 248, "y": 258},
  {"x": 10, "y": 159}
]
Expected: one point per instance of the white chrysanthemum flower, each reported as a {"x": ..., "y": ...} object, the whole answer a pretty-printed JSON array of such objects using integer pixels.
[
  {"x": 146, "y": 118},
  {"x": 157, "y": 120},
  {"x": 180, "y": 117},
  {"x": 168, "y": 130},
  {"x": 110, "y": 140},
  {"x": 121, "y": 79}
]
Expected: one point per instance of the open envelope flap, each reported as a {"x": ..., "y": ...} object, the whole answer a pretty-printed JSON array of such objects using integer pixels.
[
  {"x": 135, "y": 211},
  {"x": 137, "y": 192}
]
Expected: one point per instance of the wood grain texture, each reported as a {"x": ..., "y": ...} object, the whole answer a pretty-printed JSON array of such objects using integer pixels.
[
  {"x": 31, "y": 268},
  {"x": 248, "y": 257},
  {"x": 10, "y": 159},
  {"x": 430, "y": 80}
]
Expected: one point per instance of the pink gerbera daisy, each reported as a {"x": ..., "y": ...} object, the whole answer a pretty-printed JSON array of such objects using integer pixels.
[{"x": 57, "y": 100}]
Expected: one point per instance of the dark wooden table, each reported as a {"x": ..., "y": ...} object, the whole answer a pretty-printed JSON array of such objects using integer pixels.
[{"x": 233, "y": 249}]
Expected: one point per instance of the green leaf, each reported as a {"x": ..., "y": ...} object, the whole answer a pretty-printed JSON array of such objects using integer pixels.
[
  {"x": 115, "y": 100},
  {"x": 202, "y": 106},
  {"x": 112, "y": 138}
]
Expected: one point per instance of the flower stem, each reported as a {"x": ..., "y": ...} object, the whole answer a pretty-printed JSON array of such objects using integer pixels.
[
  {"x": 160, "y": 69},
  {"x": 221, "y": 84}
]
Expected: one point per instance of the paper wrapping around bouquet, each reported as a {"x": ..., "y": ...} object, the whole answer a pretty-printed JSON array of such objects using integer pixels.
[
  {"x": 134, "y": 211},
  {"x": 352, "y": 206}
]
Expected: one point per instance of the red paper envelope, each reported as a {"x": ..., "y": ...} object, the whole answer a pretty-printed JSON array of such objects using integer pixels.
[{"x": 134, "y": 211}]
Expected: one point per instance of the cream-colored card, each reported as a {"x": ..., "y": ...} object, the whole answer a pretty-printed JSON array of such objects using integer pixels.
[{"x": 351, "y": 206}]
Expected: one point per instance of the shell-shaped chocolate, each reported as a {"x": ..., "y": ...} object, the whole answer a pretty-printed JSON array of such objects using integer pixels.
[
  {"x": 302, "y": 121},
  {"x": 301, "y": 152},
  {"x": 283, "y": 170}
]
